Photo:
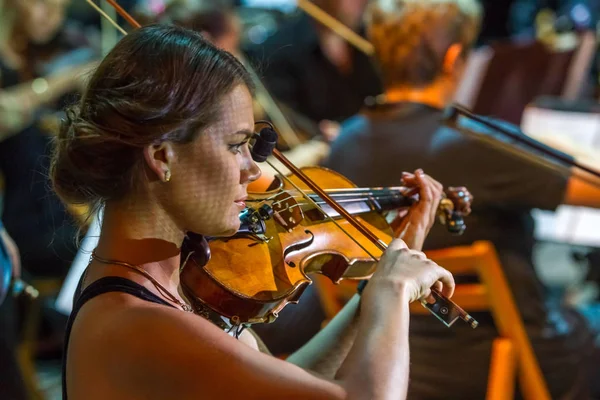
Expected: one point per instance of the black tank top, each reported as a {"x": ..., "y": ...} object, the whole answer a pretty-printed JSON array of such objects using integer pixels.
[{"x": 101, "y": 286}]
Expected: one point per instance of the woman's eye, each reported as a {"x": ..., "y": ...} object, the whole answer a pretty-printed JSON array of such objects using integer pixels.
[{"x": 236, "y": 148}]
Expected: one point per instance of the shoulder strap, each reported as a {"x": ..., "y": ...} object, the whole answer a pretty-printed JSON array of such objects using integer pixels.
[
  {"x": 101, "y": 286},
  {"x": 115, "y": 284}
]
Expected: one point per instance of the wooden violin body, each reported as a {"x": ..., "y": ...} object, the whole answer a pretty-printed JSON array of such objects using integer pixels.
[{"x": 252, "y": 275}]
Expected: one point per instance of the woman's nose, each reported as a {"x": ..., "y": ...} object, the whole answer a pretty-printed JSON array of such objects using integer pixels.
[{"x": 251, "y": 173}]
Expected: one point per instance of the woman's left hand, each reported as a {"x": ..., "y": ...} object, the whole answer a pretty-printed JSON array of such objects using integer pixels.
[{"x": 413, "y": 225}]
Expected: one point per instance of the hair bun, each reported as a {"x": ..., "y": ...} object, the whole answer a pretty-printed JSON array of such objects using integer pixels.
[{"x": 81, "y": 168}]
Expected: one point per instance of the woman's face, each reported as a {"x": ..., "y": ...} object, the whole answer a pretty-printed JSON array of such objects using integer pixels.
[
  {"x": 210, "y": 175},
  {"x": 41, "y": 19}
]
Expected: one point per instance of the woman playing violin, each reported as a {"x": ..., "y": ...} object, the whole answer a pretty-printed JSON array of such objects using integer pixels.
[{"x": 160, "y": 141}]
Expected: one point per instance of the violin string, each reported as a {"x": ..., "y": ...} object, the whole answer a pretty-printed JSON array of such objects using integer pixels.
[
  {"x": 320, "y": 209},
  {"x": 278, "y": 213},
  {"x": 363, "y": 195},
  {"x": 348, "y": 201},
  {"x": 359, "y": 196},
  {"x": 395, "y": 190},
  {"x": 353, "y": 199},
  {"x": 362, "y": 191}
]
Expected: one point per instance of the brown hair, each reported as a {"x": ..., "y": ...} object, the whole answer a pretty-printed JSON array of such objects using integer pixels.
[
  {"x": 158, "y": 83},
  {"x": 411, "y": 37}
]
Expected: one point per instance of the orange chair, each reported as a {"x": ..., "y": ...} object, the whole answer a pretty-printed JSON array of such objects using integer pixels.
[{"x": 511, "y": 351}]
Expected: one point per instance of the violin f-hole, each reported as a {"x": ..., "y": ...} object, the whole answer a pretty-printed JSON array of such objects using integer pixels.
[{"x": 299, "y": 245}]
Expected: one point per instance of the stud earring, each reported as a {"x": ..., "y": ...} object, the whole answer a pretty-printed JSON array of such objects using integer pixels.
[{"x": 167, "y": 175}]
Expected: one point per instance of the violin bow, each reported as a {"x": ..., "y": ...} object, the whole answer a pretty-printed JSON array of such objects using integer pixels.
[
  {"x": 583, "y": 172},
  {"x": 336, "y": 26},
  {"x": 448, "y": 307}
]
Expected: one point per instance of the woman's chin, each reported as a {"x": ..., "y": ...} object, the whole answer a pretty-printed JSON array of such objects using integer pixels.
[
  {"x": 230, "y": 230},
  {"x": 225, "y": 227}
]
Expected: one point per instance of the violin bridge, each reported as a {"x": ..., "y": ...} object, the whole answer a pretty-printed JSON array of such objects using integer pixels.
[{"x": 287, "y": 212}]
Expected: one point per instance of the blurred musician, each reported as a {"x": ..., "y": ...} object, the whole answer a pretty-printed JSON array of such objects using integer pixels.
[
  {"x": 421, "y": 47},
  {"x": 314, "y": 71},
  {"x": 39, "y": 64},
  {"x": 11, "y": 382},
  {"x": 42, "y": 60}
]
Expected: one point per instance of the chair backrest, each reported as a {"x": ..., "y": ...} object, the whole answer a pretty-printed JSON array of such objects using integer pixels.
[{"x": 481, "y": 258}]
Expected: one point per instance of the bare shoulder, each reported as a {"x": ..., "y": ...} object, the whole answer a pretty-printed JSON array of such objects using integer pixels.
[
  {"x": 169, "y": 353},
  {"x": 124, "y": 323}
]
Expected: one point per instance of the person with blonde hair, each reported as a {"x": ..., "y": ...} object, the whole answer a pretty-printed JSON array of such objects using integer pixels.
[{"x": 421, "y": 48}]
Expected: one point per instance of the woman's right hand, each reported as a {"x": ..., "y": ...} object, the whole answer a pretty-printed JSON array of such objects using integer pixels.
[{"x": 408, "y": 273}]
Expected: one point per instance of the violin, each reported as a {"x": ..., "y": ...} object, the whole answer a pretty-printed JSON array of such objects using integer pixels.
[
  {"x": 289, "y": 233},
  {"x": 284, "y": 238}
]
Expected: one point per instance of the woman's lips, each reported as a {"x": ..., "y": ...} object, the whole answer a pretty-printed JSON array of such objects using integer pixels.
[{"x": 241, "y": 202}]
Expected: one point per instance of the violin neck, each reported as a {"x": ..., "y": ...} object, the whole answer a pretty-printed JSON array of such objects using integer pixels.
[{"x": 361, "y": 200}]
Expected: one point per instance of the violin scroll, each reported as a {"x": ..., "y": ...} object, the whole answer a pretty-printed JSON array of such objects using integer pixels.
[{"x": 455, "y": 205}]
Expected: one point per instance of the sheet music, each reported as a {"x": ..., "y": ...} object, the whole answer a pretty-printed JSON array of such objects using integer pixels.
[
  {"x": 474, "y": 73},
  {"x": 573, "y": 225}
]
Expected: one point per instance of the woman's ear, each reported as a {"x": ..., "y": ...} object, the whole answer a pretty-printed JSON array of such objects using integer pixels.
[
  {"x": 452, "y": 59},
  {"x": 160, "y": 158}
]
